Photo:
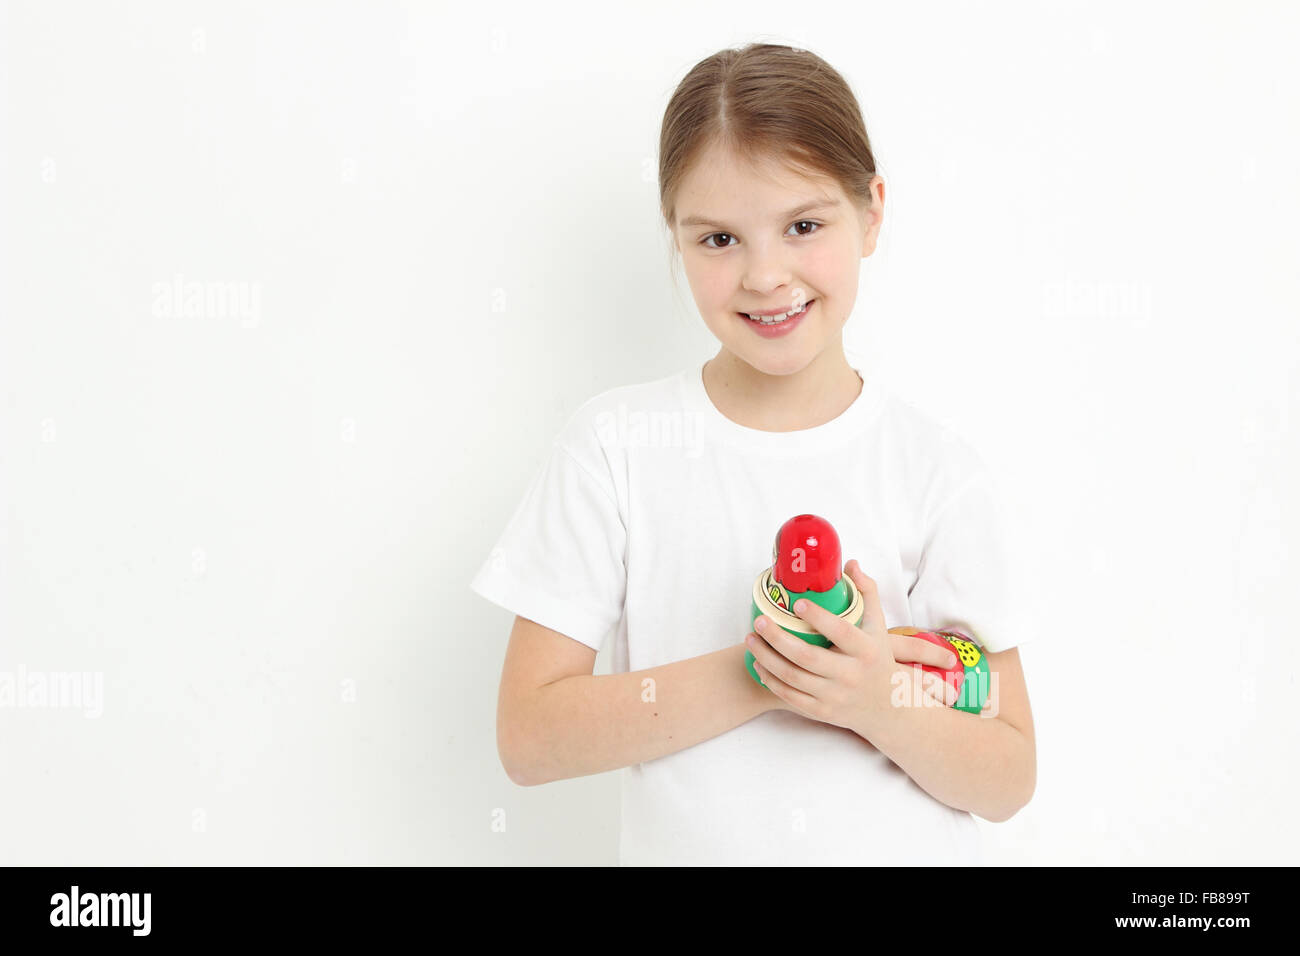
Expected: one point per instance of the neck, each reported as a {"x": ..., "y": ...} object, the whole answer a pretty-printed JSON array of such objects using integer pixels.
[{"x": 812, "y": 396}]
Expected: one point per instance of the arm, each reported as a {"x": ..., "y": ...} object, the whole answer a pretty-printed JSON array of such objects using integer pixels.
[
  {"x": 984, "y": 763},
  {"x": 556, "y": 720}
]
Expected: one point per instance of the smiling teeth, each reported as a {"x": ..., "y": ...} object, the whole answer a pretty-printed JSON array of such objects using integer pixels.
[{"x": 773, "y": 319}]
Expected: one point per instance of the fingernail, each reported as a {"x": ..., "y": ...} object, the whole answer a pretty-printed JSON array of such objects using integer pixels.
[
  {"x": 800, "y": 606},
  {"x": 760, "y": 623}
]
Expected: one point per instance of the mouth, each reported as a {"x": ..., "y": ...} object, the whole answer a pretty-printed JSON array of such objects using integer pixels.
[{"x": 774, "y": 325}]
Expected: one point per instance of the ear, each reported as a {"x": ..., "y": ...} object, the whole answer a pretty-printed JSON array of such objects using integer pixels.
[{"x": 872, "y": 217}]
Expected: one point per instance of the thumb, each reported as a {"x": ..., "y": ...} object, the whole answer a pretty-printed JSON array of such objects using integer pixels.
[{"x": 873, "y": 618}]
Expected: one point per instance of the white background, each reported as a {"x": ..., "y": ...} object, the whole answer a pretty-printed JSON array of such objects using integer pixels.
[{"x": 258, "y": 528}]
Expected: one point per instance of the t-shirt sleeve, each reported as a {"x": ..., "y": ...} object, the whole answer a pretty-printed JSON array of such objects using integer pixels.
[
  {"x": 964, "y": 579},
  {"x": 560, "y": 559}
]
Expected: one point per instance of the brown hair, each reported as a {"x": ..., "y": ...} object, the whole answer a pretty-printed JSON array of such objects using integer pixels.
[{"x": 769, "y": 102}]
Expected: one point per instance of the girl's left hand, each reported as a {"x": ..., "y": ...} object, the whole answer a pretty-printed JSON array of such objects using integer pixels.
[{"x": 848, "y": 684}]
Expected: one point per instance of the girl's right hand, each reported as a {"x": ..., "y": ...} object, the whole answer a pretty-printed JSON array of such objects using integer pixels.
[{"x": 908, "y": 649}]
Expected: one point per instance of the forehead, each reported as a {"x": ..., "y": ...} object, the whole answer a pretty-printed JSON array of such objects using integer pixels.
[{"x": 721, "y": 181}]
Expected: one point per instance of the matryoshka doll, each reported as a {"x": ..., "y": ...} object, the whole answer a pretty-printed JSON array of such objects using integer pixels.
[{"x": 806, "y": 563}]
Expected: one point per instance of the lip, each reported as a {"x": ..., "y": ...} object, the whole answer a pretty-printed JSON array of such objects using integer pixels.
[
  {"x": 781, "y": 311},
  {"x": 779, "y": 329}
]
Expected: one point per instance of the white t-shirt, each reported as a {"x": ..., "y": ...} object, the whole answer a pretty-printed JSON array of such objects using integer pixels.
[{"x": 646, "y": 526}]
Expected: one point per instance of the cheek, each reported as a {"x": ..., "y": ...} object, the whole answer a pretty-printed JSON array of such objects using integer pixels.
[
  {"x": 828, "y": 268},
  {"x": 714, "y": 288},
  {"x": 722, "y": 279}
]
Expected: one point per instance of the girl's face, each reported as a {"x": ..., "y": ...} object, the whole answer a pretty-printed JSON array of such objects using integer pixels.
[{"x": 757, "y": 237}]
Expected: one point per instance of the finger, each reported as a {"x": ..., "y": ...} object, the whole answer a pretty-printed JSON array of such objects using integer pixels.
[
  {"x": 938, "y": 688},
  {"x": 819, "y": 661},
  {"x": 777, "y": 664},
  {"x": 795, "y": 698},
  {"x": 917, "y": 649},
  {"x": 834, "y": 628},
  {"x": 873, "y": 618}
]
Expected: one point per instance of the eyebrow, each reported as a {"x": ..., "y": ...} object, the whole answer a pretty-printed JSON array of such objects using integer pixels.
[{"x": 796, "y": 211}]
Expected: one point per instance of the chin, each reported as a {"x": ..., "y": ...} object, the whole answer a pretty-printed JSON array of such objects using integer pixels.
[
  {"x": 780, "y": 356},
  {"x": 786, "y": 362}
]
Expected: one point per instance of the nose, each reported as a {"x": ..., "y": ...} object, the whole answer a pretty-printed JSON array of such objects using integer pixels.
[{"x": 766, "y": 269}]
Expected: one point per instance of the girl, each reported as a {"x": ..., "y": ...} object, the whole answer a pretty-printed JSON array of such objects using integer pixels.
[{"x": 658, "y": 504}]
